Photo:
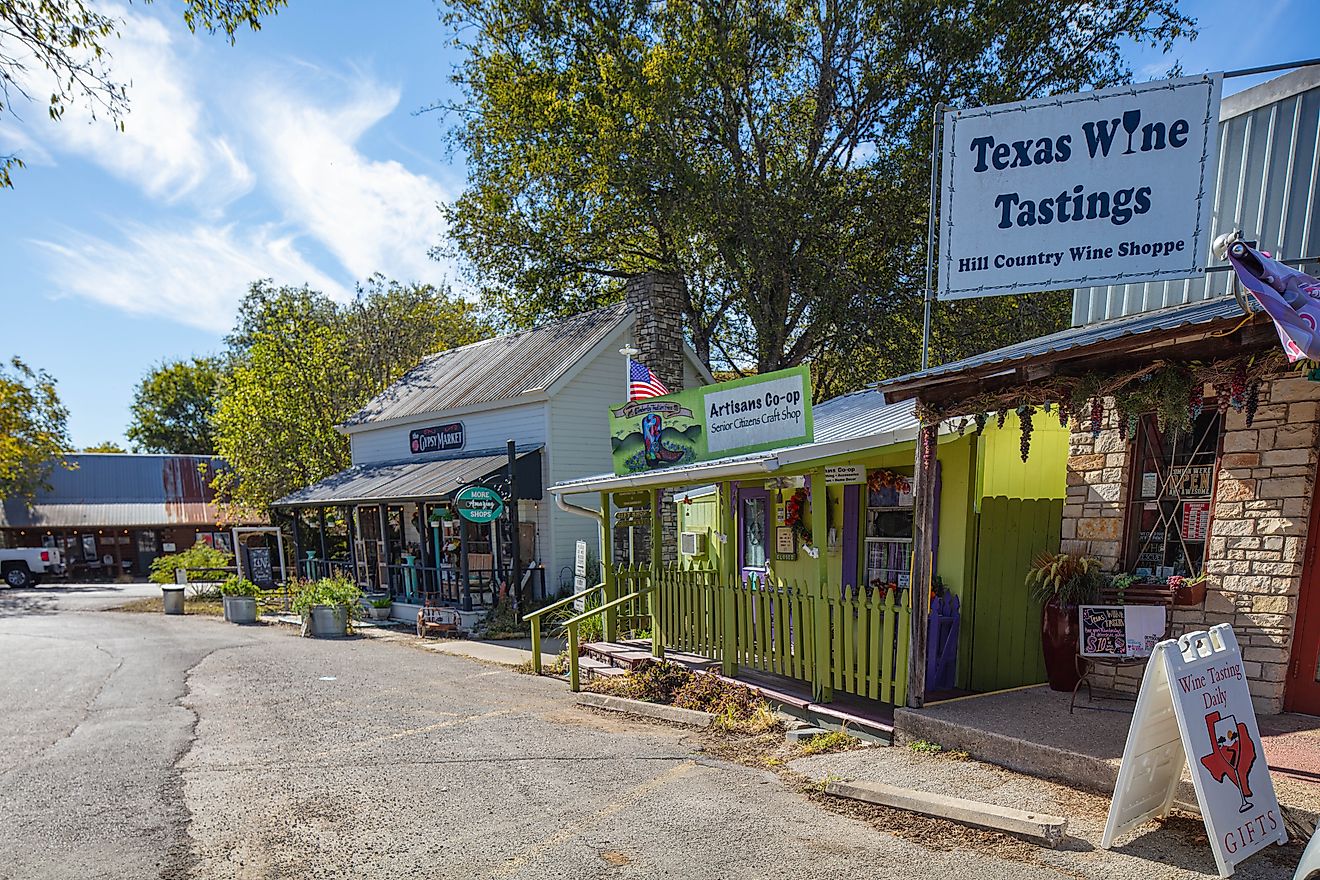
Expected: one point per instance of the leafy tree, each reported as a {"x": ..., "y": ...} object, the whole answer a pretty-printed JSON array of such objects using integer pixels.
[
  {"x": 107, "y": 446},
  {"x": 33, "y": 430},
  {"x": 774, "y": 154},
  {"x": 70, "y": 40},
  {"x": 299, "y": 363},
  {"x": 173, "y": 407}
]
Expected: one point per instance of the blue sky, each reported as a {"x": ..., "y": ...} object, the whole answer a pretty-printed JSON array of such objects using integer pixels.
[{"x": 298, "y": 155}]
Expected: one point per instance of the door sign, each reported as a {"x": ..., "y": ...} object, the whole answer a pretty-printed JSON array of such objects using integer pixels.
[{"x": 1199, "y": 677}]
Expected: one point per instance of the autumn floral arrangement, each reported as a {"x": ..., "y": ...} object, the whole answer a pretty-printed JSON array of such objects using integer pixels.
[
  {"x": 887, "y": 479},
  {"x": 795, "y": 515}
]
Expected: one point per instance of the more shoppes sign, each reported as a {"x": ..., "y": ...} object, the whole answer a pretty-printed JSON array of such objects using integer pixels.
[{"x": 1112, "y": 186}]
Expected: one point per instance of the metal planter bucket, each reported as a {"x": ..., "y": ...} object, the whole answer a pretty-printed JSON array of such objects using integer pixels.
[
  {"x": 326, "y": 622},
  {"x": 240, "y": 609},
  {"x": 173, "y": 599}
]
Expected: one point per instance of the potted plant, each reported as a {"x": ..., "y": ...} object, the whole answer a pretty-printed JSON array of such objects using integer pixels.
[
  {"x": 379, "y": 607},
  {"x": 240, "y": 599},
  {"x": 328, "y": 607},
  {"x": 1120, "y": 584},
  {"x": 1061, "y": 582},
  {"x": 1188, "y": 590}
]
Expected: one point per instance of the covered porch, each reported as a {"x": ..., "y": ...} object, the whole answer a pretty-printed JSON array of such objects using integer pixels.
[
  {"x": 395, "y": 528},
  {"x": 841, "y": 570}
]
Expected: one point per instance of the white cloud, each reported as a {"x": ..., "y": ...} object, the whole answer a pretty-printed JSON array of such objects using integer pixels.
[
  {"x": 372, "y": 215},
  {"x": 168, "y": 146},
  {"x": 194, "y": 276}
]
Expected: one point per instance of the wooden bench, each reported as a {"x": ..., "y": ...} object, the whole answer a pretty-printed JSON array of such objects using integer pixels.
[
  {"x": 442, "y": 621},
  {"x": 1160, "y": 595}
]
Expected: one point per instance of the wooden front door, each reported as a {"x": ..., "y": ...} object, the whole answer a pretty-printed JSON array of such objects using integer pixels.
[
  {"x": 753, "y": 532},
  {"x": 1302, "y": 687}
]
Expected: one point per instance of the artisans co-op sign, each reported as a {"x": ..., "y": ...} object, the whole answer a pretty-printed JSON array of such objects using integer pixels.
[
  {"x": 1112, "y": 186},
  {"x": 746, "y": 415}
]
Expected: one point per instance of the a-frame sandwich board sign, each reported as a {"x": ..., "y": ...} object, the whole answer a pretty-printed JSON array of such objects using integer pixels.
[{"x": 1194, "y": 703}]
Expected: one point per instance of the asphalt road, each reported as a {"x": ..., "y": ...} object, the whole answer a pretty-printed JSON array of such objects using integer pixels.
[{"x": 141, "y": 746}]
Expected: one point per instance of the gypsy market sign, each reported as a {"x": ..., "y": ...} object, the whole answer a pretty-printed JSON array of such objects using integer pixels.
[
  {"x": 1112, "y": 186},
  {"x": 1201, "y": 678},
  {"x": 437, "y": 438},
  {"x": 746, "y": 415}
]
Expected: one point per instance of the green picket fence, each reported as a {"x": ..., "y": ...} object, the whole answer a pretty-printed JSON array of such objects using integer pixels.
[
  {"x": 869, "y": 645},
  {"x": 772, "y": 627}
]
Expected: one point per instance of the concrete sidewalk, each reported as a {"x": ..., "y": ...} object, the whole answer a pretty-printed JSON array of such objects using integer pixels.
[{"x": 1029, "y": 730}]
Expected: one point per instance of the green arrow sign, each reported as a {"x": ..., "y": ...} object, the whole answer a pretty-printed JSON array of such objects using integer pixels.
[{"x": 479, "y": 504}]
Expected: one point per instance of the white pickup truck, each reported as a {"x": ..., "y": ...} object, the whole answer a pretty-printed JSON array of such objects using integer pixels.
[{"x": 25, "y": 566}]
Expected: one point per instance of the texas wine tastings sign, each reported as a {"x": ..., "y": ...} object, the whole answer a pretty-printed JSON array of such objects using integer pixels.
[{"x": 1112, "y": 186}]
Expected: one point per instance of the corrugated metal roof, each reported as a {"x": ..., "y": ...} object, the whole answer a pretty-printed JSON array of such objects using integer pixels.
[
  {"x": 405, "y": 480},
  {"x": 860, "y": 420},
  {"x": 1078, "y": 337},
  {"x": 121, "y": 490},
  {"x": 500, "y": 368},
  {"x": 1269, "y": 150}
]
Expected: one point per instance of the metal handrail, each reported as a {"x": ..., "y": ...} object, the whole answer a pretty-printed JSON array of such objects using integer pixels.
[
  {"x": 534, "y": 617},
  {"x": 574, "y": 680}
]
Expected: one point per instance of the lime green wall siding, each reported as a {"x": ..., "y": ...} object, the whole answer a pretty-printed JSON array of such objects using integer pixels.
[
  {"x": 1002, "y": 472},
  {"x": 702, "y": 515}
]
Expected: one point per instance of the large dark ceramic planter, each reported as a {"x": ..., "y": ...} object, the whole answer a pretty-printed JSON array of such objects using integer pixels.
[{"x": 1058, "y": 640}]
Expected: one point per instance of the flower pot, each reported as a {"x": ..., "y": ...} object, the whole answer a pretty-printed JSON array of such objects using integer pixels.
[
  {"x": 1058, "y": 642},
  {"x": 326, "y": 622},
  {"x": 378, "y": 613},
  {"x": 240, "y": 609},
  {"x": 1190, "y": 594},
  {"x": 173, "y": 599}
]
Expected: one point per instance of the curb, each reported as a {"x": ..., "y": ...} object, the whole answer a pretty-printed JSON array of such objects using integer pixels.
[
  {"x": 657, "y": 711},
  {"x": 1050, "y": 829}
]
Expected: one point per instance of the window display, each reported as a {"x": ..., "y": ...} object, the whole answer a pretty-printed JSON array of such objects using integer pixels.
[{"x": 1171, "y": 491}]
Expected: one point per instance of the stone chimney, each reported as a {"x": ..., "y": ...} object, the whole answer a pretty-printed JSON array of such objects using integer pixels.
[{"x": 657, "y": 300}]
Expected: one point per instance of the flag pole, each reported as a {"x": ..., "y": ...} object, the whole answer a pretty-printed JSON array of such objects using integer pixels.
[{"x": 629, "y": 351}]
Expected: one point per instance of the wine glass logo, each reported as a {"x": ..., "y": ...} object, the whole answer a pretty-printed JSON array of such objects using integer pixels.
[
  {"x": 1131, "y": 119},
  {"x": 1232, "y": 754}
]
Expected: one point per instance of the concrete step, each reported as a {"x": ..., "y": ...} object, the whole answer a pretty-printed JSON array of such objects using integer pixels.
[{"x": 589, "y": 668}]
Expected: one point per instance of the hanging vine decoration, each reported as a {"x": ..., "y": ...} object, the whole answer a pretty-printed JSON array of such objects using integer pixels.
[
  {"x": 1024, "y": 414},
  {"x": 887, "y": 479},
  {"x": 1165, "y": 388}
]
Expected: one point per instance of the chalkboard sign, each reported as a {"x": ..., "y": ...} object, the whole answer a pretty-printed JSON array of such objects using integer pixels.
[
  {"x": 1120, "y": 631},
  {"x": 259, "y": 567}
]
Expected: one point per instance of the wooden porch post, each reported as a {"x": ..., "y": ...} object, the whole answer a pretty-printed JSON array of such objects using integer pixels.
[
  {"x": 320, "y": 521},
  {"x": 607, "y": 563},
  {"x": 923, "y": 546},
  {"x": 657, "y": 562},
  {"x": 351, "y": 535},
  {"x": 726, "y": 581},
  {"x": 295, "y": 517},
  {"x": 822, "y": 688},
  {"x": 383, "y": 549}
]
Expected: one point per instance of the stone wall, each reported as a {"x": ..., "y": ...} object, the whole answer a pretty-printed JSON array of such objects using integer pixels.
[
  {"x": 658, "y": 300},
  {"x": 1257, "y": 536}
]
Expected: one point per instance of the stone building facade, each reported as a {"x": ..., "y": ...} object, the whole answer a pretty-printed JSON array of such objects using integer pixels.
[{"x": 1255, "y": 558}]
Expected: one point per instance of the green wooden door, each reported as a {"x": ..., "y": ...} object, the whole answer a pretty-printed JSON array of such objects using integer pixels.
[{"x": 1005, "y": 624}]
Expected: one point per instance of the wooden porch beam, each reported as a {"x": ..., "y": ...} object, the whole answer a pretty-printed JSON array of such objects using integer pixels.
[
  {"x": 922, "y": 573},
  {"x": 821, "y": 683},
  {"x": 657, "y": 563}
]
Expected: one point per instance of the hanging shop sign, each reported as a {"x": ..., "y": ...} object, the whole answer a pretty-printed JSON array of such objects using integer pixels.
[
  {"x": 633, "y": 517},
  {"x": 845, "y": 474},
  {"x": 479, "y": 504},
  {"x": 1111, "y": 186},
  {"x": 769, "y": 411},
  {"x": 1201, "y": 676},
  {"x": 437, "y": 438}
]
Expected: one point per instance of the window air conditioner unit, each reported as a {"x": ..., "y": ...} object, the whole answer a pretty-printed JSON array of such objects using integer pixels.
[{"x": 692, "y": 543}]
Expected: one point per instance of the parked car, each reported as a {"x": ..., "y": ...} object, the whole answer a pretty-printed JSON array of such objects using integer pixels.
[{"x": 25, "y": 566}]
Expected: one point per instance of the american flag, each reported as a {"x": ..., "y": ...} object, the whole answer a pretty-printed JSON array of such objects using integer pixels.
[{"x": 642, "y": 383}]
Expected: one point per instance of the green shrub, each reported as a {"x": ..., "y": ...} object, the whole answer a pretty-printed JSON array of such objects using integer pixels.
[
  {"x": 382, "y": 602},
  {"x": 203, "y": 563},
  {"x": 336, "y": 590},
  {"x": 239, "y": 586}
]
